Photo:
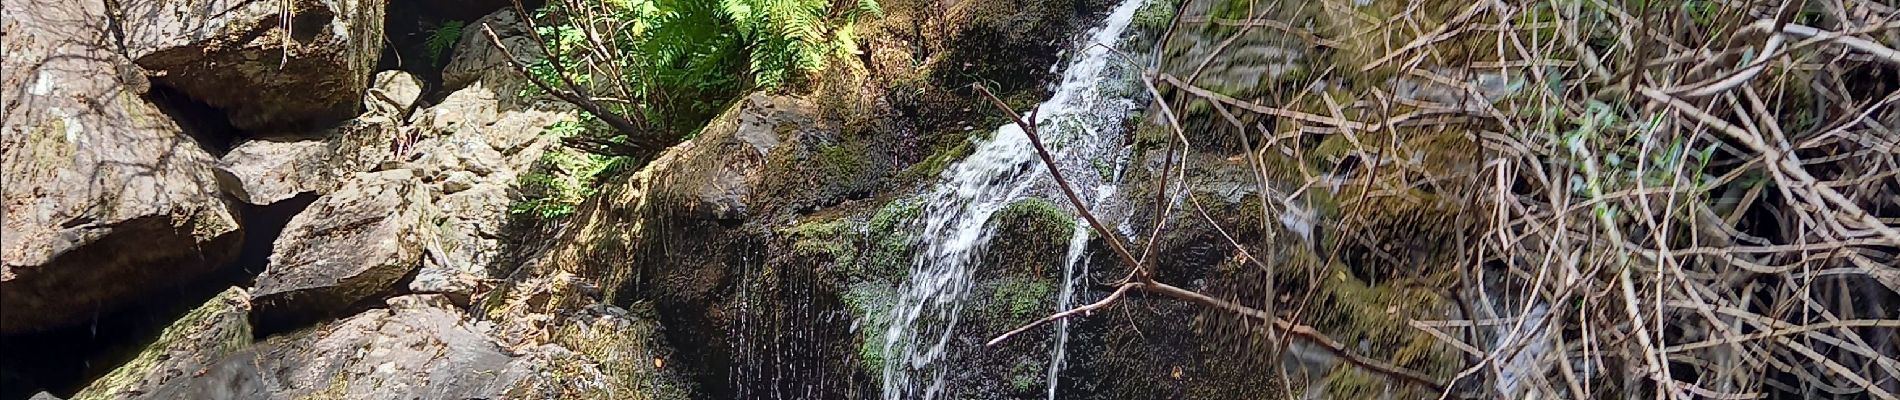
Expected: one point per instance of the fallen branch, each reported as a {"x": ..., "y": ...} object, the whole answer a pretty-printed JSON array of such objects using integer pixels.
[{"x": 1087, "y": 309}]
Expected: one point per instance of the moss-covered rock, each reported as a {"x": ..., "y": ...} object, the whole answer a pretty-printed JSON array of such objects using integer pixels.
[
  {"x": 219, "y": 327},
  {"x": 607, "y": 353},
  {"x": 1031, "y": 237}
]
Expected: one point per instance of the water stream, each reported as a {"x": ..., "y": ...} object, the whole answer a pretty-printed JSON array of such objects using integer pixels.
[{"x": 1082, "y": 124}]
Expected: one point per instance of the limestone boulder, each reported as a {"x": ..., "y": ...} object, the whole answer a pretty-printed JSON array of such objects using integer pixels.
[
  {"x": 275, "y": 167},
  {"x": 268, "y": 64},
  {"x": 474, "y": 147},
  {"x": 347, "y": 246},
  {"x": 105, "y": 199},
  {"x": 415, "y": 349},
  {"x": 393, "y": 93},
  {"x": 270, "y": 169}
]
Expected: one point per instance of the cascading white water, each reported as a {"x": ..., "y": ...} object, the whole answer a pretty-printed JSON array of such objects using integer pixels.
[{"x": 1082, "y": 125}]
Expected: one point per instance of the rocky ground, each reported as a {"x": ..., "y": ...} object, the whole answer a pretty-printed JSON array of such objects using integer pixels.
[{"x": 251, "y": 210}]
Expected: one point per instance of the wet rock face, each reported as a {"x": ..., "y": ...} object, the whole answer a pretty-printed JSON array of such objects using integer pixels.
[
  {"x": 345, "y": 247},
  {"x": 269, "y": 64},
  {"x": 1017, "y": 284},
  {"x": 1012, "y": 42},
  {"x": 105, "y": 199}
]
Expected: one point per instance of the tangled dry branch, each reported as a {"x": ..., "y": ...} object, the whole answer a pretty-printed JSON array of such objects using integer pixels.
[
  {"x": 1671, "y": 202},
  {"x": 1139, "y": 279}
]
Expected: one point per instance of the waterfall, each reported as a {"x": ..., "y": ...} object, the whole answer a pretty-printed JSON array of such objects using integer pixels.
[{"x": 1082, "y": 125}]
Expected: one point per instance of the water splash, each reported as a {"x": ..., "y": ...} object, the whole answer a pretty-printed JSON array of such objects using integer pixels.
[{"x": 1082, "y": 124}]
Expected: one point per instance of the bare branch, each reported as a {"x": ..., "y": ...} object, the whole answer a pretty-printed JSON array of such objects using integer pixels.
[
  {"x": 1147, "y": 284},
  {"x": 642, "y": 139}
]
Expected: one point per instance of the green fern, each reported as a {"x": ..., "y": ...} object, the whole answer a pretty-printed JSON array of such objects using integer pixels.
[
  {"x": 795, "y": 36},
  {"x": 443, "y": 39},
  {"x": 687, "y": 59}
]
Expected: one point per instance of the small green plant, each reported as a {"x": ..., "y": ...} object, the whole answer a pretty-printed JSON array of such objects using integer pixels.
[
  {"x": 674, "y": 64},
  {"x": 1701, "y": 12},
  {"x": 557, "y": 183},
  {"x": 443, "y": 39},
  {"x": 1025, "y": 377}
]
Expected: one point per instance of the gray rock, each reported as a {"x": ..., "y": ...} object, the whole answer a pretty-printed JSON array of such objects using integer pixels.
[
  {"x": 416, "y": 349},
  {"x": 238, "y": 56},
  {"x": 458, "y": 181},
  {"x": 475, "y": 145},
  {"x": 444, "y": 278},
  {"x": 105, "y": 199},
  {"x": 347, "y": 246},
  {"x": 272, "y": 169},
  {"x": 720, "y": 174},
  {"x": 477, "y": 60},
  {"x": 393, "y": 93},
  {"x": 218, "y": 328},
  {"x": 471, "y": 229}
]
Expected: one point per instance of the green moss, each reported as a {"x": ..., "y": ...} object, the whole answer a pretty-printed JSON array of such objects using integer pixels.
[
  {"x": 1021, "y": 301},
  {"x": 1349, "y": 382},
  {"x": 843, "y": 160},
  {"x": 48, "y": 147},
  {"x": 822, "y": 238},
  {"x": 890, "y": 241},
  {"x": 1376, "y": 318},
  {"x": 871, "y": 305},
  {"x": 338, "y": 389},
  {"x": 939, "y": 160},
  {"x": 889, "y": 244},
  {"x": 1103, "y": 168},
  {"x": 1155, "y": 15},
  {"x": 624, "y": 351},
  {"x": 1026, "y": 377},
  {"x": 1152, "y": 135},
  {"x": 211, "y": 331},
  {"x": 1041, "y": 216},
  {"x": 1034, "y": 231}
]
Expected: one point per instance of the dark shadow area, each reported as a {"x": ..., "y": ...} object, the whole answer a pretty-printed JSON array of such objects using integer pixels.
[
  {"x": 407, "y": 30},
  {"x": 65, "y": 360},
  {"x": 421, "y": 36},
  {"x": 207, "y": 125},
  {"x": 262, "y": 225}
]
